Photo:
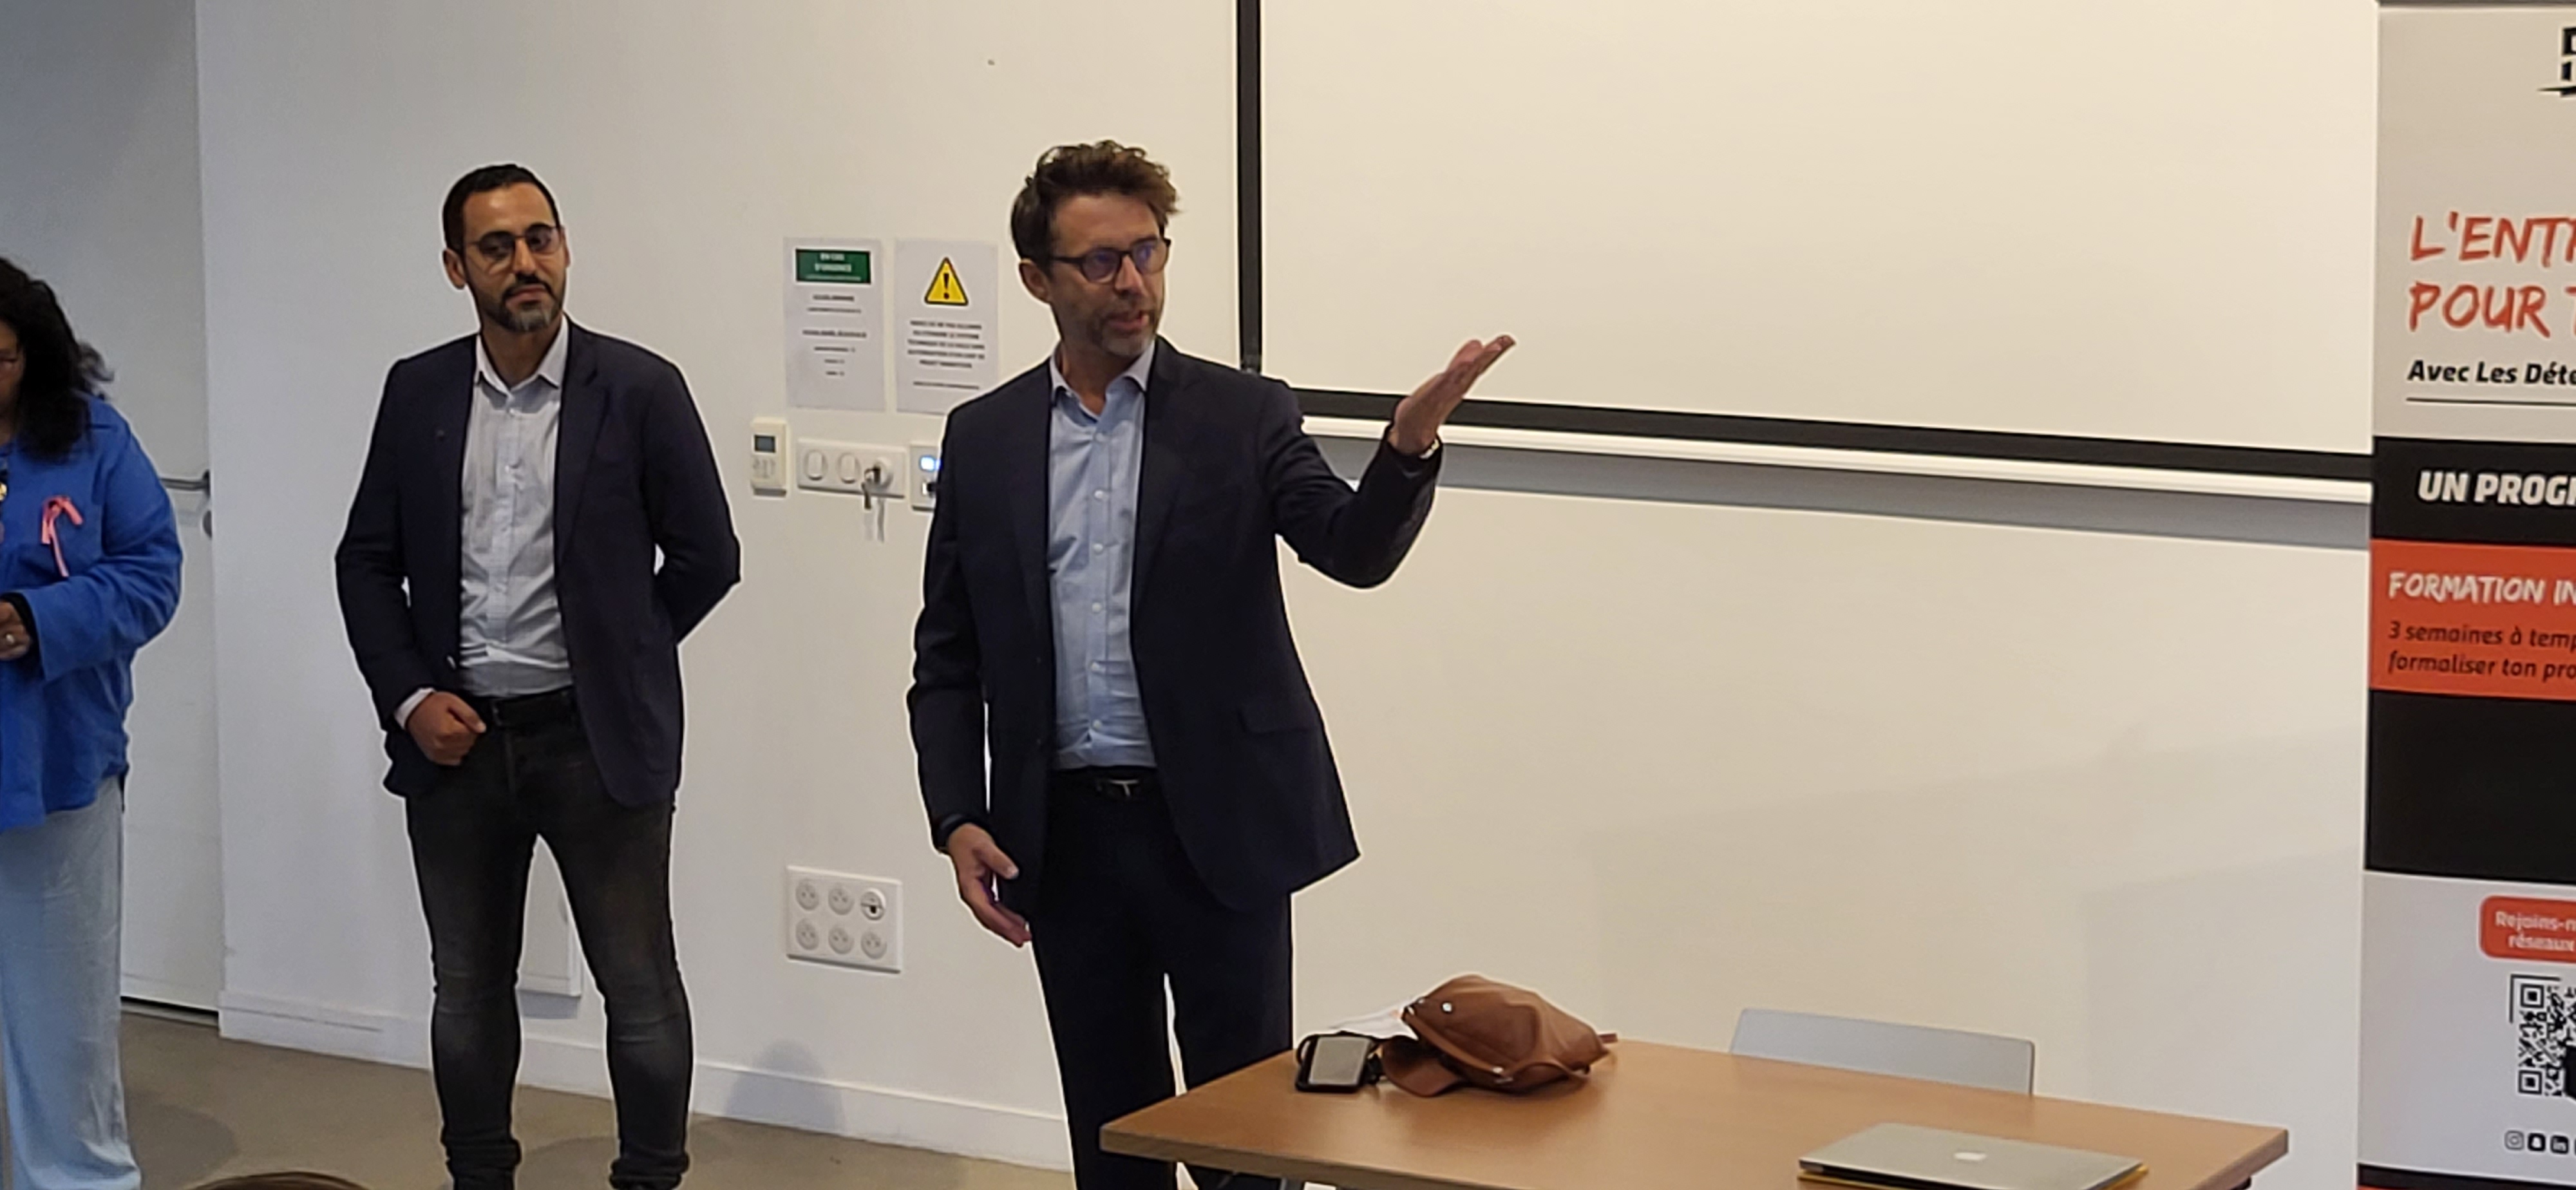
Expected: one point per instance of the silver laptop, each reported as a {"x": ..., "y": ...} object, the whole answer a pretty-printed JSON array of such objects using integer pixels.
[{"x": 1905, "y": 1157}]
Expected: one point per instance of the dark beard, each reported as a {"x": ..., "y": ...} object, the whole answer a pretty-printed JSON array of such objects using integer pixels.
[{"x": 526, "y": 322}]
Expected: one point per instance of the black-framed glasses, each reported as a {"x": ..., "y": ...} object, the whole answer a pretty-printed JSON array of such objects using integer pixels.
[
  {"x": 1100, "y": 265},
  {"x": 501, "y": 247}
]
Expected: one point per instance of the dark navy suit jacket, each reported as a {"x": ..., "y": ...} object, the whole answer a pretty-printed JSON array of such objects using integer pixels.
[
  {"x": 1238, "y": 742},
  {"x": 634, "y": 477}
]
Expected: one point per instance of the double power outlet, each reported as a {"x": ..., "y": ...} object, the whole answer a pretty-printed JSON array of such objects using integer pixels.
[
  {"x": 845, "y": 921},
  {"x": 877, "y": 475},
  {"x": 872, "y": 472}
]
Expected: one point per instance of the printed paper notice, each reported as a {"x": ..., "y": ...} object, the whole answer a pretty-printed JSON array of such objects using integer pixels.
[
  {"x": 946, "y": 323},
  {"x": 835, "y": 325}
]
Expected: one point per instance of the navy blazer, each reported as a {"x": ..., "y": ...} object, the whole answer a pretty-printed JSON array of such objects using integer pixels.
[
  {"x": 1238, "y": 742},
  {"x": 633, "y": 475}
]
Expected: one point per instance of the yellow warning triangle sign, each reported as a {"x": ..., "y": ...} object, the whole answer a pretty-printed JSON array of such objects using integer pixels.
[{"x": 945, "y": 288}]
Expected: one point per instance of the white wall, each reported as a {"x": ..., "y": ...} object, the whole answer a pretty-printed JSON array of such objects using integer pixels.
[
  {"x": 1660, "y": 759},
  {"x": 98, "y": 196},
  {"x": 683, "y": 142},
  {"x": 1669, "y": 761}
]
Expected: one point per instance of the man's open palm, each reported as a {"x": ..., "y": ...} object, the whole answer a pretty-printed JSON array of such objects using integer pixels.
[{"x": 1418, "y": 417}]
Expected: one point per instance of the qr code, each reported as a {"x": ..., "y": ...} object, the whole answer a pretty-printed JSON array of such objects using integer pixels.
[{"x": 2544, "y": 1017}]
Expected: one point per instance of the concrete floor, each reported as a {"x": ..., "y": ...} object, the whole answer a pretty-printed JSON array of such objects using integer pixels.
[{"x": 203, "y": 1107}]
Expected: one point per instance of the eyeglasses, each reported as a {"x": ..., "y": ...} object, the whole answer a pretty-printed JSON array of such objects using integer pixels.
[
  {"x": 1100, "y": 265},
  {"x": 501, "y": 247}
]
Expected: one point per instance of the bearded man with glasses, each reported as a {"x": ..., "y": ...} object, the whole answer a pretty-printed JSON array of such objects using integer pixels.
[
  {"x": 1102, "y": 617},
  {"x": 539, "y": 523}
]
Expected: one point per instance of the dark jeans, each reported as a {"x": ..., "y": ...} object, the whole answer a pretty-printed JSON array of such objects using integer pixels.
[
  {"x": 531, "y": 777},
  {"x": 1120, "y": 912}
]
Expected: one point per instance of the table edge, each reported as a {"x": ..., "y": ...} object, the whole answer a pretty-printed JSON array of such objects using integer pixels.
[
  {"x": 1271, "y": 1166},
  {"x": 1115, "y": 1137},
  {"x": 2275, "y": 1147}
]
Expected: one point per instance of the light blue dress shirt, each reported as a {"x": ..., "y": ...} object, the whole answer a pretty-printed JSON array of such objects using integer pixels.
[
  {"x": 1093, "y": 464},
  {"x": 510, "y": 638}
]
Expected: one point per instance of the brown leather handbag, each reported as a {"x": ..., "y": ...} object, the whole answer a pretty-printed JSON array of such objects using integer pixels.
[{"x": 1476, "y": 1030}]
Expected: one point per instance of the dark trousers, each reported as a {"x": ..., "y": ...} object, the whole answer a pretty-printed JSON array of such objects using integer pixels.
[
  {"x": 531, "y": 777},
  {"x": 1120, "y": 912}
]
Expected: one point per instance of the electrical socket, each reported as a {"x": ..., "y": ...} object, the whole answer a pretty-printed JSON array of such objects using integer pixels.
[
  {"x": 845, "y": 921},
  {"x": 850, "y": 468}
]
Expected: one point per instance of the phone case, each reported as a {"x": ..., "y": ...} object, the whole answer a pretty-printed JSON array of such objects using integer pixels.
[{"x": 1306, "y": 1068}]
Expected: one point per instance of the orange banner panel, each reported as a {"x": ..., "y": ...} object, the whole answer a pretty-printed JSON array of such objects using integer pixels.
[
  {"x": 2482, "y": 620},
  {"x": 2528, "y": 930}
]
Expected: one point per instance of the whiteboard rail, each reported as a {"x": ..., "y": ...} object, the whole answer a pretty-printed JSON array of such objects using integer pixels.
[{"x": 2275, "y": 487}]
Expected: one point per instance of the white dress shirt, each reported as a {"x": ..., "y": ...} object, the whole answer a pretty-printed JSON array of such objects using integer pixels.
[{"x": 510, "y": 638}]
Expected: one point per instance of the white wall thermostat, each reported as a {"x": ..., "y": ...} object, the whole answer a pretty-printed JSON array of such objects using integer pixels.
[
  {"x": 921, "y": 478},
  {"x": 768, "y": 456}
]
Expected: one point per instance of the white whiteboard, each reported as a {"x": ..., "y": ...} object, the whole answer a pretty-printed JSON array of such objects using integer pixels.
[{"x": 2139, "y": 219}]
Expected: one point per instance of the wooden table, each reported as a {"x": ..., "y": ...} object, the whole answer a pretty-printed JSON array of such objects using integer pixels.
[{"x": 1652, "y": 1117}]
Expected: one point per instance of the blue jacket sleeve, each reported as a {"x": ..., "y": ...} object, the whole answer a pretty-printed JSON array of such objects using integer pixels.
[{"x": 115, "y": 607}]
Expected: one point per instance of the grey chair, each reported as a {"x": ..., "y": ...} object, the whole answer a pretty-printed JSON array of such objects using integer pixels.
[{"x": 1879, "y": 1047}]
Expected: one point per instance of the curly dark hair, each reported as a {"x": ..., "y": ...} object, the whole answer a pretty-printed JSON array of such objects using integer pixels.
[
  {"x": 1068, "y": 171},
  {"x": 61, "y": 371}
]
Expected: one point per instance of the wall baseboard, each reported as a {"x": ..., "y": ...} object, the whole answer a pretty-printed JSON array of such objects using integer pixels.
[
  {"x": 805, "y": 1102},
  {"x": 177, "y": 997},
  {"x": 323, "y": 1029}
]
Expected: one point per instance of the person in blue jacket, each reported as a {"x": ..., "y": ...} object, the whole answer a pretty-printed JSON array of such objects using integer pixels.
[{"x": 89, "y": 571}]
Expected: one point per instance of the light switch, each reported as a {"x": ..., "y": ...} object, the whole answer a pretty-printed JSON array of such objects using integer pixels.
[
  {"x": 852, "y": 468},
  {"x": 768, "y": 456},
  {"x": 921, "y": 479}
]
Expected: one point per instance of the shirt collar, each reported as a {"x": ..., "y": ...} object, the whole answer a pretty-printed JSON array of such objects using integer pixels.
[
  {"x": 550, "y": 369},
  {"x": 1137, "y": 372}
]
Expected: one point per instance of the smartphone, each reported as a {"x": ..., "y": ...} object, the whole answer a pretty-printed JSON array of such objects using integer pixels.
[{"x": 1335, "y": 1062}]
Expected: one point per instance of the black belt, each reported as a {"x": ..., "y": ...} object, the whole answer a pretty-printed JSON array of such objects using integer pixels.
[
  {"x": 527, "y": 710},
  {"x": 1116, "y": 784}
]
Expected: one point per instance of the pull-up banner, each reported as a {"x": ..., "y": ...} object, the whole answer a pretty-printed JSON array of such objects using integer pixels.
[{"x": 2469, "y": 904}]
